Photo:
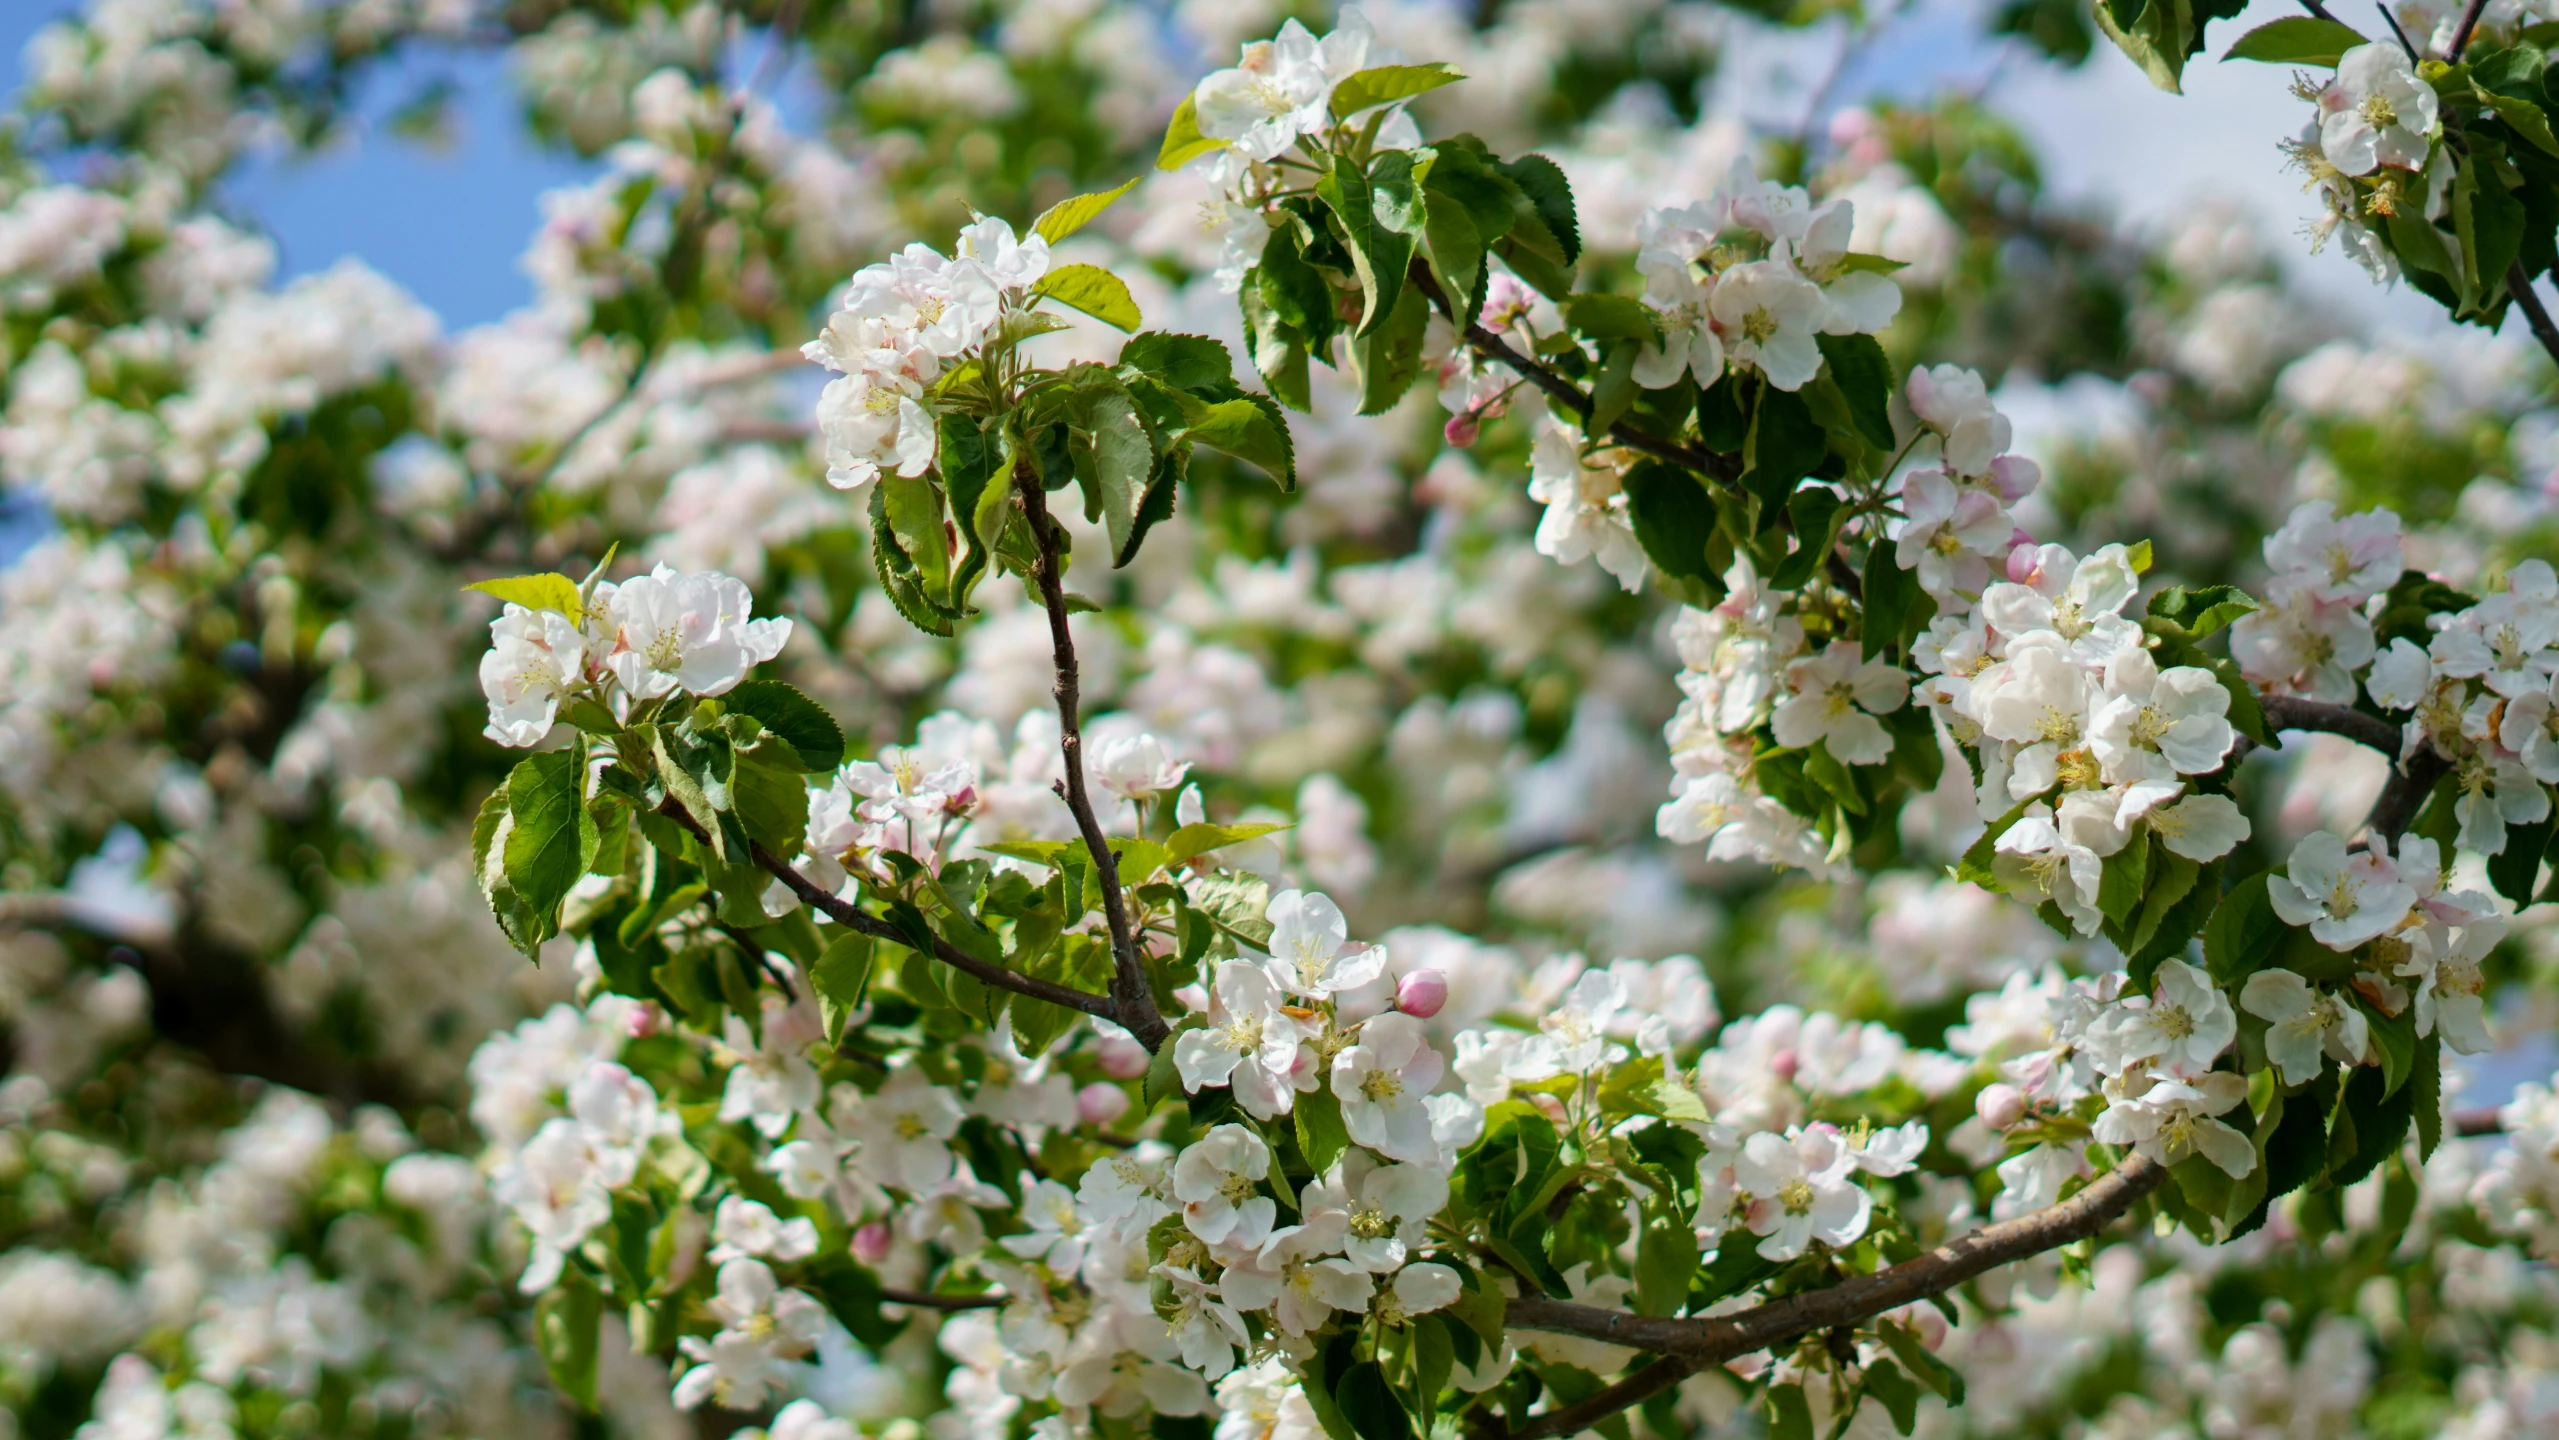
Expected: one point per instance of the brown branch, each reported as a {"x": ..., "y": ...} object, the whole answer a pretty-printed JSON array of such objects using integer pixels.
[
  {"x": 2292, "y": 712},
  {"x": 2519, "y": 285},
  {"x": 1493, "y": 347},
  {"x": 1714, "y": 1341},
  {"x": 853, "y": 917},
  {"x": 2474, "y": 1123},
  {"x": 1626, "y": 1394},
  {"x": 925, "y": 1300},
  {"x": 2461, "y": 32},
  {"x": 2405, "y": 795},
  {"x": 1132, "y": 996}
]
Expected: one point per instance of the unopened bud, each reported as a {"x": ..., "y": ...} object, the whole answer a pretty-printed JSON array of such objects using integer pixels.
[
  {"x": 871, "y": 1243},
  {"x": 1783, "y": 1065},
  {"x": 1100, "y": 1103},
  {"x": 2000, "y": 1106},
  {"x": 2024, "y": 557},
  {"x": 1123, "y": 1058},
  {"x": 1463, "y": 429},
  {"x": 643, "y": 1020},
  {"x": 1422, "y": 993},
  {"x": 1552, "y": 1108}
]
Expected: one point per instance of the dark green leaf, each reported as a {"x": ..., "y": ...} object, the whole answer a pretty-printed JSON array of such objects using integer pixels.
[
  {"x": 553, "y": 838},
  {"x": 1674, "y": 519},
  {"x": 2296, "y": 40},
  {"x": 1790, "y": 1417},
  {"x": 2243, "y": 934},
  {"x": 1665, "y": 1262},
  {"x": 2516, "y": 869},
  {"x": 1786, "y": 444},
  {"x": 1900, "y": 1397},
  {"x": 1252, "y": 431},
  {"x": 1550, "y": 195},
  {"x": 793, "y": 718},
  {"x": 2202, "y": 611},
  {"x": 1936, "y": 1374},
  {"x": 565, "y": 1327},
  {"x": 1814, "y": 513},
  {"x": 2377, "y": 1116},
  {"x": 1865, "y": 375},
  {"x": 841, "y": 977},
  {"x": 1321, "y": 1135},
  {"x": 1379, "y": 252},
  {"x": 1369, "y": 1404},
  {"x": 1386, "y": 361},
  {"x": 1185, "y": 362}
]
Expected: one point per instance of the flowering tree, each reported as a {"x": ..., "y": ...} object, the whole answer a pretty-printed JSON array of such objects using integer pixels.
[{"x": 1127, "y": 1025}]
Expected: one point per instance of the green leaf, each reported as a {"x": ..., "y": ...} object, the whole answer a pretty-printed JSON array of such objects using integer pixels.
[
  {"x": 1898, "y": 1395},
  {"x": 2247, "y": 715},
  {"x": 1936, "y": 1374},
  {"x": 841, "y": 977},
  {"x": 1674, "y": 519},
  {"x": 2172, "y": 880},
  {"x": 2200, "y": 612},
  {"x": 2376, "y": 1116},
  {"x": 1113, "y": 462},
  {"x": 853, "y": 1297},
  {"x": 1380, "y": 253},
  {"x": 2515, "y": 869},
  {"x": 2292, "y": 1148},
  {"x": 1865, "y": 375},
  {"x": 1611, "y": 317},
  {"x": 1068, "y": 216},
  {"x": 1386, "y": 84},
  {"x": 899, "y": 575},
  {"x": 1252, "y": 431},
  {"x": 1665, "y": 1261},
  {"x": 553, "y": 838},
  {"x": 2124, "y": 878},
  {"x": 1550, "y": 195},
  {"x": 566, "y": 1321},
  {"x": 1452, "y": 244},
  {"x": 557, "y": 593},
  {"x": 2394, "y": 1040},
  {"x": 1790, "y": 1417},
  {"x": 1369, "y": 1404},
  {"x": 1435, "y": 1353},
  {"x": 2296, "y": 40},
  {"x": 1786, "y": 444},
  {"x": 1183, "y": 142},
  {"x": 1815, "y": 514},
  {"x": 792, "y": 717},
  {"x": 976, "y": 465},
  {"x": 1321, "y": 1135},
  {"x": 2425, "y": 1087},
  {"x": 2244, "y": 932},
  {"x": 1163, "y": 1076},
  {"x": 1385, "y": 362},
  {"x": 1185, "y": 362},
  {"x": 1095, "y": 291},
  {"x": 1192, "y": 841},
  {"x": 1888, "y": 594},
  {"x": 2528, "y": 120}
]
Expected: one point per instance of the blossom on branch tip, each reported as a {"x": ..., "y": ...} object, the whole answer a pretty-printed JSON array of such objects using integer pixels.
[{"x": 1835, "y": 698}]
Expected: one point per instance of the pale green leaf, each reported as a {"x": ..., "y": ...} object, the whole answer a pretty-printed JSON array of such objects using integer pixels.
[{"x": 1095, "y": 291}]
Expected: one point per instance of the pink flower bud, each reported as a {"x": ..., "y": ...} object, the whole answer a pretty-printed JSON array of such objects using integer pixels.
[
  {"x": 1552, "y": 1108},
  {"x": 1783, "y": 1065},
  {"x": 2024, "y": 558},
  {"x": 871, "y": 1243},
  {"x": 1422, "y": 993},
  {"x": 1123, "y": 1058},
  {"x": 1100, "y": 1103},
  {"x": 2000, "y": 1106},
  {"x": 643, "y": 1020},
  {"x": 1462, "y": 429}
]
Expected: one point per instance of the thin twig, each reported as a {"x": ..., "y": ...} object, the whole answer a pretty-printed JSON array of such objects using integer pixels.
[
  {"x": 1715, "y": 1340},
  {"x": 2292, "y": 712},
  {"x": 763, "y": 961},
  {"x": 2519, "y": 285},
  {"x": 2315, "y": 8},
  {"x": 926, "y": 1300},
  {"x": 1132, "y": 995},
  {"x": 2393, "y": 22},
  {"x": 853, "y": 917},
  {"x": 2461, "y": 32}
]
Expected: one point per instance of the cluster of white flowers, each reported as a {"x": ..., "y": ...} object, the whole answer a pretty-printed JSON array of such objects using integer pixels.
[
  {"x": 641, "y": 640},
  {"x": 2426, "y": 943},
  {"x": 2483, "y": 693},
  {"x": 2315, "y": 631},
  {"x": 2371, "y": 152},
  {"x": 1953, "y": 520},
  {"x": 903, "y": 323}
]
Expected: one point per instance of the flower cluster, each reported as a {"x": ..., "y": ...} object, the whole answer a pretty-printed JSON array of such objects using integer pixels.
[
  {"x": 2419, "y": 942},
  {"x": 903, "y": 325},
  {"x": 639, "y": 641},
  {"x": 2314, "y": 631},
  {"x": 2371, "y": 151},
  {"x": 2482, "y": 693}
]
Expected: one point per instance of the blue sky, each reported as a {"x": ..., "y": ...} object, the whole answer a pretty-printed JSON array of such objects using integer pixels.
[{"x": 448, "y": 226}]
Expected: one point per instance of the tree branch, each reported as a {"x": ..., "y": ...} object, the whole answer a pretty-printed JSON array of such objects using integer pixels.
[
  {"x": 854, "y": 917},
  {"x": 2519, "y": 285},
  {"x": 2461, "y": 32},
  {"x": 925, "y": 1300},
  {"x": 1132, "y": 995},
  {"x": 1698, "y": 1343},
  {"x": 1493, "y": 347},
  {"x": 2292, "y": 712}
]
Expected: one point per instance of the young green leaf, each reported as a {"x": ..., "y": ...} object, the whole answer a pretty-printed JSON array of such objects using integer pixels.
[
  {"x": 1183, "y": 142},
  {"x": 1380, "y": 253},
  {"x": 1068, "y": 216},
  {"x": 793, "y": 718},
  {"x": 1386, "y": 84},
  {"x": 1185, "y": 362},
  {"x": 2296, "y": 40},
  {"x": 556, "y": 593},
  {"x": 566, "y": 1323},
  {"x": 1252, "y": 431},
  {"x": 553, "y": 838},
  {"x": 1095, "y": 291}
]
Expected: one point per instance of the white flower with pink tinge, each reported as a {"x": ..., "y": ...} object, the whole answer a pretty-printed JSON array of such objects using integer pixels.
[{"x": 1799, "y": 1189}]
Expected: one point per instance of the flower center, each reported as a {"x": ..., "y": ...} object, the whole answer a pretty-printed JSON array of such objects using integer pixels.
[
  {"x": 2377, "y": 112},
  {"x": 1237, "y": 1189},
  {"x": 2174, "y": 1022},
  {"x": 1243, "y": 1034},
  {"x": 1760, "y": 326},
  {"x": 1370, "y": 1222},
  {"x": 1381, "y": 1086},
  {"x": 2077, "y": 768},
  {"x": 2147, "y": 727},
  {"x": 1797, "y": 1196}
]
